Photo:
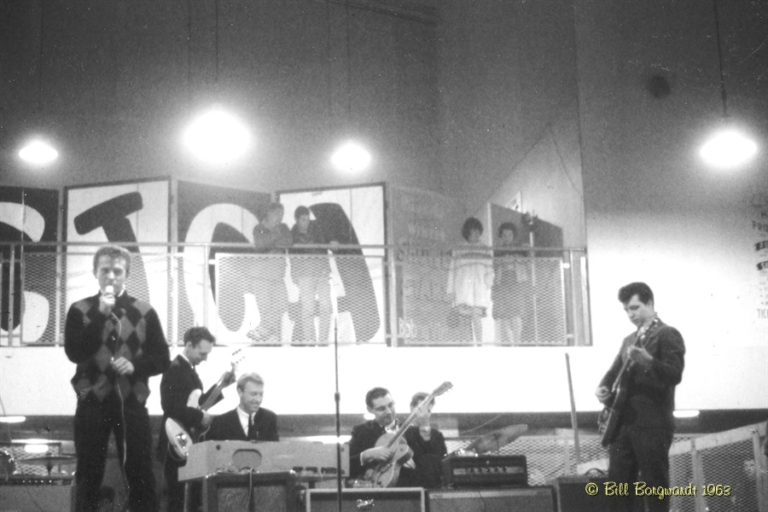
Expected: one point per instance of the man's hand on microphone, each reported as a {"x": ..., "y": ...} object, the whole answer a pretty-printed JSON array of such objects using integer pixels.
[
  {"x": 122, "y": 366},
  {"x": 107, "y": 300}
]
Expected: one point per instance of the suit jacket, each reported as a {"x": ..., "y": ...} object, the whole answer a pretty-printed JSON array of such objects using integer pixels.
[
  {"x": 364, "y": 436},
  {"x": 226, "y": 427},
  {"x": 177, "y": 383},
  {"x": 651, "y": 388}
]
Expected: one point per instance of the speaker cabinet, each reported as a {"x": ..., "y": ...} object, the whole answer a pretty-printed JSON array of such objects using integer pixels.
[
  {"x": 524, "y": 499},
  {"x": 402, "y": 499},
  {"x": 46, "y": 496},
  {"x": 237, "y": 492},
  {"x": 572, "y": 496}
]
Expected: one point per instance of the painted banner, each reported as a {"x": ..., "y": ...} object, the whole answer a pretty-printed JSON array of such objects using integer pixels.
[{"x": 28, "y": 291}]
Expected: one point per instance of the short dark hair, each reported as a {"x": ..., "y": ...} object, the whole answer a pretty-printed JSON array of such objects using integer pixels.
[
  {"x": 508, "y": 226},
  {"x": 271, "y": 207},
  {"x": 418, "y": 397},
  {"x": 373, "y": 394},
  {"x": 642, "y": 290},
  {"x": 470, "y": 224},
  {"x": 195, "y": 335},
  {"x": 113, "y": 252},
  {"x": 300, "y": 211}
]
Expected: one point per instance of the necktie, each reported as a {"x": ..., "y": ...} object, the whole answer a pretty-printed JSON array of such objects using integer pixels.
[{"x": 251, "y": 431}]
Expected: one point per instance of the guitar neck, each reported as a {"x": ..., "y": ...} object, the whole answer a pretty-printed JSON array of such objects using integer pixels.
[
  {"x": 407, "y": 423},
  {"x": 214, "y": 395}
]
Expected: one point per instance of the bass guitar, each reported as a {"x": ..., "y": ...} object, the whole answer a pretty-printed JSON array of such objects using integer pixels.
[
  {"x": 179, "y": 440},
  {"x": 385, "y": 473},
  {"x": 608, "y": 421}
]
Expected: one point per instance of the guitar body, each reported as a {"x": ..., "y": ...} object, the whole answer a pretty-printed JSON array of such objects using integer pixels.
[
  {"x": 608, "y": 425},
  {"x": 610, "y": 416},
  {"x": 386, "y": 473},
  {"x": 179, "y": 440},
  {"x": 608, "y": 421}
]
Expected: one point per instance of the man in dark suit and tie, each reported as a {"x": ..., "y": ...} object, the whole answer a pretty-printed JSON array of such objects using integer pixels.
[
  {"x": 653, "y": 358},
  {"x": 248, "y": 421},
  {"x": 363, "y": 452},
  {"x": 176, "y": 388}
]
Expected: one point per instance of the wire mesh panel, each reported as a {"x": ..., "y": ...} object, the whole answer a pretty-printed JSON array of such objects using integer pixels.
[
  {"x": 38, "y": 452},
  {"x": 297, "y": 299},
  {"x": 730, "y": 476},
  {"x": 301, "y": 298},
  {"x": 723, "y": 468},
  {"x": 37, "y": 308},
  {"x": 474, "y": 296}
]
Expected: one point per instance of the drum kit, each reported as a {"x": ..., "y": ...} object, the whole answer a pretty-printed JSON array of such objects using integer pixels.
[{"x": 493, "y": 441}]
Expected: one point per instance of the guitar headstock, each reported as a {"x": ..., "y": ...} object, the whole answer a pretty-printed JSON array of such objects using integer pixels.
[
  {"x": 442, "y": 388},
  {"x": 236, "y": 358}
]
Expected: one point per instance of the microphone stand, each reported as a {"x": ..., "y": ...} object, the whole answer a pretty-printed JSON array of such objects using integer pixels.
[{"x": 337, "y": 399}]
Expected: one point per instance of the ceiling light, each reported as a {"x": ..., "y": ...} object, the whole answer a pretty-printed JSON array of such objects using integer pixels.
[
  {"x": 217, "y": 137},
  {"x": 351, "y": 157},
  {"x": 38, "y": 152}
]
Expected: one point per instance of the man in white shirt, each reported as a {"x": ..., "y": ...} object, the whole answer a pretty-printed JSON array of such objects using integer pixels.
[{"x": 248, "y": 421}]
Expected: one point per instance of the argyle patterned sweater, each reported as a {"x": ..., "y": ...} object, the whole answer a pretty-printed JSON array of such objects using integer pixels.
[{"x": 92, "y": 340}]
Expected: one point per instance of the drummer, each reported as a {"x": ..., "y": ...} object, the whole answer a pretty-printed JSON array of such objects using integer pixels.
[{"x": 428, "y": 445}]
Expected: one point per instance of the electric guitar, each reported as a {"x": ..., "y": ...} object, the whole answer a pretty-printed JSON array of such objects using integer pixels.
[
  {"x": 385, "y": 473},
  {"x": 608, "y": 421},
  {"x": 179, "y": 440}
]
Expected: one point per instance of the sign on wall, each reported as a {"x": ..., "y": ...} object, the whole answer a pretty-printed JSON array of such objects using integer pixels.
[
  {"x": 350, "y": 216},
  {"x": 122, "y": 214},
  {"x": 28, "y": 291}
]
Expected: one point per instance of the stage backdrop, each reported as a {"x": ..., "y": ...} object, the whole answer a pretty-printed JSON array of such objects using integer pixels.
[
  {"x": 351, "y": 216},
  {"x": 28, "y": 215},
  {"x": 214, "y": 216},
  {"x": 120, "y": 213}
]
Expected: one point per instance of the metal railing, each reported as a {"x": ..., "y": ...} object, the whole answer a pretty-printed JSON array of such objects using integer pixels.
[
  {"x": 728, "y": 470},
  {"x": 393, "y": 295}
]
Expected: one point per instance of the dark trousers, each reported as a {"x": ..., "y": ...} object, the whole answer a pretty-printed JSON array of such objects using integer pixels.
[
  {"x": 176, "y": 490},
  {"x": 640, "y": 455},
  {"x": 94, "y": 422}
]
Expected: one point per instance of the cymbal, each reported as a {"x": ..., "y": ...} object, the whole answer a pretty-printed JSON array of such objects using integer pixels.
[
  {"x": 496, "y": 439},
  {"x": 48, "y": 459}
]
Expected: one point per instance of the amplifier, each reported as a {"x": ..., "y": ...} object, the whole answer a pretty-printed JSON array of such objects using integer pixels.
[
  {"x": 232, "y": 492},
  {"x": 485, "y": 471},
  {"x": 396, "y": 499},
  {"x": 41, "y": 494},
  {"x": 528, "y": 499},
  {"x": 572, "y": 496}
]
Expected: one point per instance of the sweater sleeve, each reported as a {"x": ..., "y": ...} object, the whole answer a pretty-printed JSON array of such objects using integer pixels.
[
  {"x": 82, "y": 332},
  {"x": 155, "y": 358}
]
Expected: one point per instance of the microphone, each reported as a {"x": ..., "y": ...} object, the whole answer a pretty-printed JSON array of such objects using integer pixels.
[{"x": 109, "y": 292}]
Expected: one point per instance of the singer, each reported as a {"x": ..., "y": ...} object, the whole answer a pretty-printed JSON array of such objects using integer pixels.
[{"x": 117, "y": 343}]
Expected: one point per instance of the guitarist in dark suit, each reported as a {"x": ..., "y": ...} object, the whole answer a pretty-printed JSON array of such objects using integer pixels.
[
  {"x": 176, "y": 386},
  {"x": 653, "y": 360},
  {"x": 248, "y": 421},
  {"x": 363, "y": 451}
]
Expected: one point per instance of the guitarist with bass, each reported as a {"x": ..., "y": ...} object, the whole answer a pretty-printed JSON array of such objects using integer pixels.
[
  {"x": 638, "y": 392},
  {"x": 179, "y": 383}
]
